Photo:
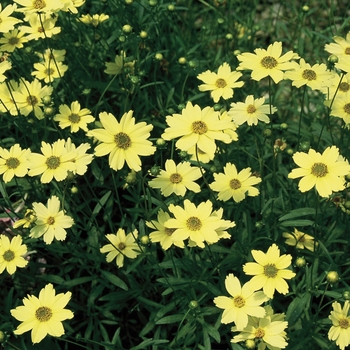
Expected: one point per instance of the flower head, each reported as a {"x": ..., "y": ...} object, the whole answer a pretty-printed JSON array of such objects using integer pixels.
[
  {"x": 95, "y": 20},
  {"x": 5, "y": 65},
  {"x": 300, "y": 240},
  {"x": 11, "y": 254},
  {"x": 270, "y": 271},
  {"x": 12, "y": 40},
  {"x": 43, "y": 315},
  {"x": 82, "y": 159},
  {"x": 340, "y": 48},
  {"x": 49, "y": 70},
  {"x": 7, "y": 22},
  {"x": 340, "y": 330},
  {"x": 341, "y": 107}
]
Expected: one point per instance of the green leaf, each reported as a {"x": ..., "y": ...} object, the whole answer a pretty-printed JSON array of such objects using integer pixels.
[
  {"x": 170, "y": 319},
  {"x": 297, "y": 223},
  {"x": 296, "y": 213},
  {"x": 101, "y": 203},
  {"x": 212, "y": 331},
  {"x": 79, "y": 280},
  {"x": 296, "y": 308},
  {"x": 114, "y": 280}
]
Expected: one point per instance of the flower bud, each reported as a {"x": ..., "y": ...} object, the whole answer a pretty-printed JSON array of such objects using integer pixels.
[
  {"x": 333, "y": 59},
  {"x": 155, "y": 170},
  {"x": 143, "y": 34},
  {"x": 332, "y": 277},
  {"x": 158, "y": 56},
  {"x": 300, "y": 262},
  {"x": 144, "y": 240},
  {"x": 305, "y": 146},
  {"x": 250, "y": 344},
  {"x": 346, "y": 295},
  {"x": 74, "y": 190},
  {"x": 47, "y": 100},
  {"x": 284, "y": 126},
  {"x": 193, "y": 304},
  {"x": 182, "y": 60},
  {"x": 160, "y": 142},
  {"x": 127, "y": 28},
  {"x": 220, "y": 21},
  {"x": 229, "y": 36},
  {"x": 171, "y": 7},
  {"x": 305, "y": 8}
]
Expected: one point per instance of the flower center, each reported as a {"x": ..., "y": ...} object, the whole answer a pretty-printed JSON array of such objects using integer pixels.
[
  {"x": 251, "y": 109},
  {"x": 319, "y": 170},
  {"x": 193, "y": 223},
  {"x": 235, "y": 184},
  {"x": 74, "y": 118},
  {"x": 53, "y": 162},
  {"x": 50, "y": 220},
  {"x": 12, "y": 163},
  {"x": 269, "y": 62},
  {"x": 270, "y": 270},
  {"x": 238, "y": 301},
  {"x": 39, "y": 4},
  {"x": 199, "y": 127},
  {"x": 122, "y": 140},
  {"x": 309, "y": 74},
  {"x": 344, "y": 323},
  {"x": 220, "y": 83},
  {"x": 13, "y": 41},
  {"x": 347, "y": 108},
  {"x": 43, "y": 314},
  {"x": 32, "y": 100},
  {"x": 344, "y": 87},
  {"x": 9, "y": 255},
  {"x": 175, "y": 178},
  {"x": 259, "y": 333},
  {"x": 169, "y": 231},
  {"x": 49, "y": 71},
  {"x": 121, "y": 246},
  {"x": 347, "y": 51}
]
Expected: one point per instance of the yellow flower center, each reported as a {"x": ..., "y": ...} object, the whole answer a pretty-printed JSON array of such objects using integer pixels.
[
  {"x": 270, "y": 270},
  {"x": 175, "y": 178},
  {"x": 13, "y": 41},
  {"x": 344, "y": 87},
  {"x": 74, "y": 118},
  {"x": 193, "y": 223},
  {"x": 39, "y": 4},
  {"x": 347, "y": 108},
  {"x": 122, "y": 140},
  {"x": 309, "y": 74},
  {"x": 319, "y": 170},
  {"x": 169, "y": 231},
  {"x": 259, "y": 333},
  {"x": 344, "y": 323},
  {"x": 238, "y": 301},
  {"x": 235, "y": 184},
  {"x": 251, "y": 109},
  {"x": 220, "y": 83},
  {"x": 9, "y": 255},
  {"x": 43, "y": 314},
  {"x": 53, "y": 162},
  {"x": 347, "y": 51},
  {"x": 32, "y": 100},
  {"x": 121, "y": 246},
  {"x": 269, "y": 62},
  {"x": 199, "y": 127},
  {"x": 50, "y": 220},
  {"x": 49, "y": 71},
  {"x": 12, "y": 163}
]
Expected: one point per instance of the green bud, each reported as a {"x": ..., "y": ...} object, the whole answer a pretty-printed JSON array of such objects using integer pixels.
[
  {"x": 305, "y": 146},
  {"x": 183, "y": 154},
  {"x": 229, "y": 36},
  {"x": 217, "y": 107},
  {"x": 74, "y": 190},
  {"x": 160, "y": 142},
  {"x": 182, "y": 60},
  {"x": 181, "y": 106},
  {"x": 305, "y": 8},
  {"x": 193, "y": 304},
  {"x": 346, "y": 295},
  {"x": 171, "y": 8},
  {"x": 144, "y": 240},
  {"x": 333, "y": 59},
  {"x": 122, "y": 38},
  {"x": 49, "y": 111},
  {"x": 250, "y": 344},
  {"x": 220, "y": 21},
  {"x": 284, "y": 126},
  {"x": 143, "y": 34},
  {"x": 134, "y": 79},
  {"x": 47, "y": 100},
  {"x": 300, "y": 262},
  {"x": 155, "y": 170},
  {"x": 347, "y": 205},
  {"x": 158, "y": 56},
  {"x": 192, "y": 64},
  {"x": 152, "y": 2},
  {"x": 267, "y": 133}
]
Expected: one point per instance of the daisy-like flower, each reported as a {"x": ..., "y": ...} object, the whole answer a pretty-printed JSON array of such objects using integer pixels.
[
  {"x": 341, "y": 107},
  {"x": 300, "y": 240},
  {"x": 243, "y": 302},
  {"x": 267, "y": 62},
  {"x": 12, "y": 40},
  {"x": 197, "y": 127},
  {"x": 49, "y": 70},
  {"x": 54, "y": 162},
  {"x": 250, "y": 111},
  {"x": 51, "y": 222},
  {"x": 95, "y": 20},
  {"x": 340, "y": 48},
  {"x": 71, "y": 5},
  {"x": 28, "y": 219},
  {"x": 82, "y": 159},
  {"x": 14, "y": 162},
  {"x": 337, "y": 87},
  {"x": 124, "y": 141},
  {"x": 316, "y": 76},
  {"x": 52, "y": 55},
  {"x": 11, "y": 254},
  {"x": 74, "y": 117},
  {"x": 270, "y": 271},
  {"x": 195, "y": 223},
  {"x": 43, "y": 315},
  {"x": 340, "y": 330},
  {"x": 323, "y": 171},
  {"x": 7, "y": 22},
  {"x": 161, "y": 233},
  {"x": 234, "y": 184},
  {"x": 177, "y": 179},
  {"x": 121, "y": 245},
  {"x": 5, "y": 65},
  {"x": 8, "y": 103},
  {"x": 222, "y": 83},
  {"x": 38, "y": 6},
  {"x": 116, "y": 67}
]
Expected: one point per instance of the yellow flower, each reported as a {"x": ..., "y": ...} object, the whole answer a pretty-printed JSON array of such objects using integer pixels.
[
  {"x": 161, "y": 233},
  {"x": 124, "y": 141},
  {"x": 28, "y": 219},
  {"x": 11, "y": 254},
  {"x": 71, "y": 5},
  {"x": 322, "y": 171},
  {"x": 95, "y": 20},
  {"x": 12, "y": 40},
  {"x": 49, "y": 70},
  {"x": 7, "y": 22},
  {"x": 220, "y": 84},
  {"x": 51, "y": 222},
  {"x": 243, "y": 302},
  {"x": 177, "y": 179},
  {"x": 340, "y": 330},
  {"x": 267, "y": 62},
  {"x": 336, "y": 87},
  {"x": 343, "y": 63},
  {"x": 341, "y": 107},
  {"x": 14, "y": 162},
  {"x": 82, "y": 159},
  {"x": 74, "y": 117},
  {"x": 270, "y": 271},
  {"x": 6, "y": 96},
  {"x": 300, "y": 240},
  {"x": 121, "y": 245},
  {"x": 198, "y": 127},
  {"x": 43, "y": 315},
  {"x": 116, "y": 67},
  {"x": 52, "y": 55},
  {"x": 4, "y": 66},
  {"x": 232, "y": 184},
  {"x": 36, "y": 6},
  {"x": 341, "y": 48}
]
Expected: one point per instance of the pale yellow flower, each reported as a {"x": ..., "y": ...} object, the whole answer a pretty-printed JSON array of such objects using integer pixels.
[
  {"x": 340, "y": 330},
  {"x": 300, "y": 240},
  {"x": 11, "y": 254},
  {"x": 7, "y": 22},
  {"x": 95, "y": 20}
]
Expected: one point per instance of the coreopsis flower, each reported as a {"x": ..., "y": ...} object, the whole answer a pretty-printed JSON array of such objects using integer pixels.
[
  {"x": 222, "y": 83},
  {"x": 195, "y": 223},
  {"x": 323, "y": 171},
  {"x": 14, "y": 162},
  {"x": 7, "y": 22},
  {"x": 197, "y": 127},
  {"x": 49, "y": 70},
  {"x": 71, "y": 5},
  {"x": 8, "y": 103},
  {"x": 28, "y": 219},
  {"x": 124, "y": 141},
  {"x": 28, "y": 97},
  {"x": 116, "y": 67},
  {"x": 11, "y": 254},
  {"x": 54, "y": 162},
  {"x": 81, "y": 159},
  {"x": 43, "y": 315},
  {"x": 12, "y": 40},
  {"x": 234, "y": 184},
  {"x": 121, "y": 245},
  {"x": 4, "y": 66},
  {"x": 268, "y": 331},
  {"x": 340, "y": 330},
  {"x": 244, "y": 301},
  {"x": 270, "y": 271},
  {"x": 95, "y": 20},
  {"x": 161, "y": 233},
  {"x": 46, "y": 7},
  {"x": 340, "y": 48},
  {"x": 51, "y": 222},
  {"x": 300, "y": 240},
  {"x": 316, "y": 77},
  {"x": 341, "y": 107},
  {"x": 177, "y": 179},
  {"x": 339, "y": 86},
  {"x": 52, "y": 55},
  {"x": 74, "y": 117},
  {"x": 268, "y": 62},
  {"x": 251, "y": 111}
]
